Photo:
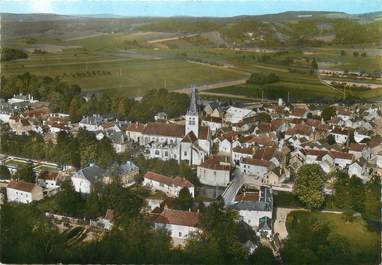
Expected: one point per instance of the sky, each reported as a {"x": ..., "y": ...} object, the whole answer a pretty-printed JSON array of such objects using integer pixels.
[{"x": 165, "y": 8}]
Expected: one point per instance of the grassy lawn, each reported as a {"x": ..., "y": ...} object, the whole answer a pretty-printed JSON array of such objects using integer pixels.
[{"x": 361, "y": 239}]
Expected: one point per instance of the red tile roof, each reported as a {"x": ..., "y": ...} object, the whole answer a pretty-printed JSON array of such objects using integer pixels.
[
  {"x": 215, "y": 162},
  {"x": 21, "y": 185},
  {"x": 48, "y": 175},
  {"x": 177, "y": 217},
  {"x": 177, "y": 181},
  {"x": 213, "y": 119},
  {"x": 256, "y": 162},
  {"x": 342, "y": 131},
  {"x": 301, "y": 129},
  {"x": 136, "y": 127},
  {"x": 341, "y": 155},
  {"x": 298, "y": 112},
  {"x": 244, "y": 150},
  {"x": 356, "y": 147},
  {"x": 260, "y": 140},
  {"x": 247, "y": 196},
  {"x": 265, "y": 153},
  {"x": 375, "y": 141},
  {"x": 164, "y": 129},
  {"x": 314, "y": 152}
]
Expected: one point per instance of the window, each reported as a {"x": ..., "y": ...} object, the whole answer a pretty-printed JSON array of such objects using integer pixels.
[
  {"x": 180, "y": 234},
  {"x": 166, "y": 153},
  {"x": 156, "y": 152},
  {"x": 185, "y": 153}
]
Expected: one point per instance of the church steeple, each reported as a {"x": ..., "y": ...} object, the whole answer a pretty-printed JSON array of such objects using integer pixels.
[
  {"x": 192, "y": 117},
  {"x": 193, "y": 109}
]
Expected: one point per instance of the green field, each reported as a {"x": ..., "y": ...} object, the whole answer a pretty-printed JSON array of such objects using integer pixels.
[
  {"x": 362, "y": 240},
  {"x": 130, "y": 76},
  {"x": 128, "y": 64}
]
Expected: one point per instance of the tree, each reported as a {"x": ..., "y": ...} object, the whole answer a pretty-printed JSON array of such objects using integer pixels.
[
  {"x": 331, "y": 139},
  {"x": 261, "y": 78},
  {"x": 263, "y": 117},
  {"x": 309, "y": 186},
  {"x": 4, "y": 172},
  {"x": 372, "y": 202},
  {"x": 218, "y": 243},
  {"x": 68, "y": 201},
  {"x": 355, "y": 54},
  {"x": 343, "y": 52},
  {"x": 75, "y": 109},
  {"x": 263, "y": 255},
  {"x": 26, "y": 173},
  {"x": 184, "y": 200},
  {"x": 328, "y": 113}
]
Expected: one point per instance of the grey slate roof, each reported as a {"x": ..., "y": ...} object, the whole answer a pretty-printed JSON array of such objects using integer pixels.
[
  {"x": 252, "y": 206},
  {"x": 265, "y": 223},
  {"x": 93, "y": 173},
  {"x": 265, "y": 202},
  {"x": 193, "y": 109}
]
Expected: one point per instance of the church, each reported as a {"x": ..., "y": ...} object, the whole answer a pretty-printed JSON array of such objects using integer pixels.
[{"x": 190, "y": 142}]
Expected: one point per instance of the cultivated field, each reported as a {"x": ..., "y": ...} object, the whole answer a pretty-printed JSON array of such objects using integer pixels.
[{"x": 135, "y": 62}]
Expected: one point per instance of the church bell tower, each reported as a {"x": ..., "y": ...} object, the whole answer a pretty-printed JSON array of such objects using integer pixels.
[{"x": 192, "y": 117}]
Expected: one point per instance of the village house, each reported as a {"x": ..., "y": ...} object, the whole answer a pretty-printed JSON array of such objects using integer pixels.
[
  {"x": 23, "y": 192},
  {"x": 84, "y": 179},
  {"x": 275, "y": 176},
  {"x": 252, "y": 206},
  {"x": 338, "y": 159},
  {"x": 20, "y": 98},
  {"x": 239, "y": 153},
  {"x": 299, "y": 113},
  {"x": 20, "y": 126},
  {"x": 360, "y": 169},
  {"x": 91, "y": 123},
  {"x": 360, "y": 134},
  {"x": 168, "y": 185},
  {"x": 375, "y": 145},
  {"x": 118, "y": 140},
  {"x": 160, "y": 116},
  {"x": 215, "y": 171},
  {"x": 235, "y": 115},
  {"x": 6, "y": 111},
  {"x": 227, "y": 141},
  {"x": 256, "y": 167},
  {"x": 180, "y": 224},
  {"x": 213, "y": 108},
  {"x": 134, "y": 132},
  {"x": 360, "y": 150},
  {"x": 214, "y": 123},
  {"x": 123, "y": 173},
  {"x": 48, "y": 179},
  {"x": 341, "y": 135}
]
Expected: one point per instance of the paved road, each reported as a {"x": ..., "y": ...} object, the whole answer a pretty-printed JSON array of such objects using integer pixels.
[
  {"x": 281, "y": 216},
  {"x": 233, "y": 188},
  {"x": 188, "y": 90}
]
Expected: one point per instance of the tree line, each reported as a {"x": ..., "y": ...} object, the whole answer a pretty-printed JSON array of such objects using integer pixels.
[
  {"x": 79, "y": 150},
  {"x": 68, "y": 98},
  {"x": 8, "y": 54}
]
